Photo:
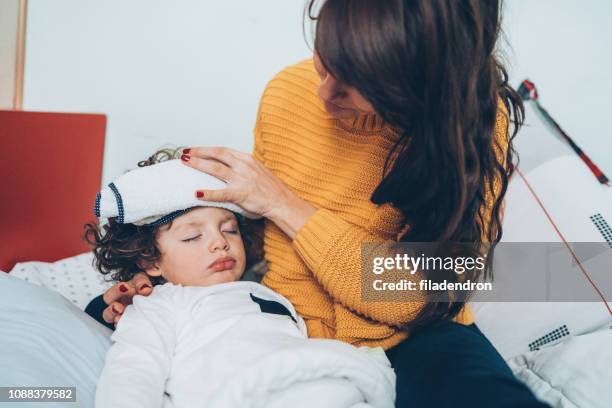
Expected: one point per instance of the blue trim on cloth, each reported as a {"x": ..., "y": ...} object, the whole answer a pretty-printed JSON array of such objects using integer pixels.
[
  {"x": 169, "y": 217},
  {"x": 120, "y": 209},
  {"x": 97, "y": 204}
]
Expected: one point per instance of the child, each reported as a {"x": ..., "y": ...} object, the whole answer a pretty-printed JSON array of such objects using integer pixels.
[{"x": 202, "y": 338}]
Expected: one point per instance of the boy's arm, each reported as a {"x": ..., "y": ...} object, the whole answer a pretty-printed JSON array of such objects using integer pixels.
[{"x": 138, "y": 364}]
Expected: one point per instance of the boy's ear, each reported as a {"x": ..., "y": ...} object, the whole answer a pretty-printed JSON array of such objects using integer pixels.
[{"x": 153, "y": 270}]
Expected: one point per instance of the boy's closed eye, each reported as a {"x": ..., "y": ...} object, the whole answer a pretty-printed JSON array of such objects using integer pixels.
[
  {"x": 230, "y": 226},
  {"x": 229, "y": 230}
]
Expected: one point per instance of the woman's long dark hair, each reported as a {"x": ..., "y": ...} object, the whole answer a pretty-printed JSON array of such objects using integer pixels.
[{"x": 430, "y": 69}]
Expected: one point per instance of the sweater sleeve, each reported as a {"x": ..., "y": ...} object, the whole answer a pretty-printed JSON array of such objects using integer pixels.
[{"x": 138, "y": 363}]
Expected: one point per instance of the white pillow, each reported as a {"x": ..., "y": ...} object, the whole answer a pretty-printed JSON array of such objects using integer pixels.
[
  {"x": 575, "y": 373},
  {"x": 47, "y": 341},
  {"x": 75, "y": 278},
  {"x": 521, "y": 327}
]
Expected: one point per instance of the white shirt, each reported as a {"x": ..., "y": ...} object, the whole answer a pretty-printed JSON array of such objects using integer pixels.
[{"x": 220, "y": 346}]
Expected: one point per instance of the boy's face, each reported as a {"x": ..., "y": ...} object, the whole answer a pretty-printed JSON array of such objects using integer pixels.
[{"x": 202, "y": 247}]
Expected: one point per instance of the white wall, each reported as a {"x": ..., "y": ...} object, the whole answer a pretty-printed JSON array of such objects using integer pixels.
[
  {"x": 9, "y": 28},
  {"x": 563, "y": 46},
  {"x": 191, "y": 72},
  {"x": 186, "y": 72}
]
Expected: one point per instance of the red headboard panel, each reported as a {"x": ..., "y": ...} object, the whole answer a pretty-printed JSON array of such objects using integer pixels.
[{"x": 50, "y": 171}]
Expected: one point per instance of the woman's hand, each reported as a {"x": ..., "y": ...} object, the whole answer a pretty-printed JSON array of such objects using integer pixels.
[
  {"x": 120, "y": 295},
  {"x": 249, "y": 185}
]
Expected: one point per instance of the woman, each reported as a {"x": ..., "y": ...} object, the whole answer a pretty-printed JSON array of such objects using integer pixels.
[{"x": 397, "y": 129}]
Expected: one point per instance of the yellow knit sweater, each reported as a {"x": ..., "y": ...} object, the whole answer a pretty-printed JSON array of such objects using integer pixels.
[{"x": 335, "y": 165}]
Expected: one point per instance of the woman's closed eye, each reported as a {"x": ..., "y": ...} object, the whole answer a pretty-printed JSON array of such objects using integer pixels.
[{"x": 231, "y": 230}]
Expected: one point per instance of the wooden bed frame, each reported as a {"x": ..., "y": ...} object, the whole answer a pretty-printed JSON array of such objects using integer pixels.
[{"x": 50, "y": 171}]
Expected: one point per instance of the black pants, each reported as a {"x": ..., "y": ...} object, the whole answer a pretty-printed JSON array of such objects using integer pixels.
[{"x": 453, "y": 365}]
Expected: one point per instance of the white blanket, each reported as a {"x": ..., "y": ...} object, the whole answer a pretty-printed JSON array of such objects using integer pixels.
[{"x": 228, "y": 346}]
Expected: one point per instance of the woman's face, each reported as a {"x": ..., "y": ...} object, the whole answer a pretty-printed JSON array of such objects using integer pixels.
[
  {"x": 341, "y": 101},
  {"x": 202, "y": 247}
]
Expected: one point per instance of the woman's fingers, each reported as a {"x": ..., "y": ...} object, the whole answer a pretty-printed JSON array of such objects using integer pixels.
[
  {"x": 249, "y": 184},
  {"x": 121, "y": 292},
  {"x": 120, "y": 295},
  {"x": 224, "y": 155},
  {"x": 241, "y": 156},
  {"x": 142, "y": 284},
  {"x": 223, "y": 195},
  {"x": 213, "y": 167},
  {"x": 113, "y": 312},
  {"x": 108, "y": 315}
]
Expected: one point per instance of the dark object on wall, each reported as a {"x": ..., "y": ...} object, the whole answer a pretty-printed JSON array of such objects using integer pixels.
[{"x": 528, "y": 92}]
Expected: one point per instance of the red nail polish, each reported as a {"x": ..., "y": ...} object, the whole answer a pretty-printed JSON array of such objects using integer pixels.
[
  {"x": 185, "y": 157},
  {"x": 199, "y": 194},
  {"x": 186, "y": 151},
  {"x": 144, "y": 286},
  {"x": 114, "y": 309},
  {"x": 123, "y": 288}
]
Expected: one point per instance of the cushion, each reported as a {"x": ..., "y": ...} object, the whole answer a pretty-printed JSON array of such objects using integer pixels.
[
  {"x": 75, "y": 277},
  {"x": 45, "y": 340}
]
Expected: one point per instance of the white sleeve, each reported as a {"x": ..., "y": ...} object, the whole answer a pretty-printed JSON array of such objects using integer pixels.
[{"x": 138, "y": 363}]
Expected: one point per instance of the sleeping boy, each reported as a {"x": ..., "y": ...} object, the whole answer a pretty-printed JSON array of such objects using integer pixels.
[{"x": 203, "y": 337}]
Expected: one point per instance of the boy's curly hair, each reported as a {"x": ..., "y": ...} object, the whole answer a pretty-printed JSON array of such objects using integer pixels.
[{"x": 123, "y": 250}]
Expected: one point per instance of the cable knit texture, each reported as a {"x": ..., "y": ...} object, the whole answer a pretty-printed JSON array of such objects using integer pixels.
[{"x": 335, "y": 165}]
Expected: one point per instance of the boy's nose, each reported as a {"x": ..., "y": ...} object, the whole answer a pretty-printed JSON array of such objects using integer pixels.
[{"x": 219, "y": 243}]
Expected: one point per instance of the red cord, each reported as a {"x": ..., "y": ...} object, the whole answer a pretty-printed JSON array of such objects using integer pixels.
[{"x": 569, "y": 248}]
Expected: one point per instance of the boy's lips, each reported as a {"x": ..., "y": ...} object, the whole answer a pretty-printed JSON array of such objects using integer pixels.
[{"x": 223, "y": 263}]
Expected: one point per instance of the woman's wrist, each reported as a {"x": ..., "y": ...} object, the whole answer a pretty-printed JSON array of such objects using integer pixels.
[{"x": 292, "y": 215}]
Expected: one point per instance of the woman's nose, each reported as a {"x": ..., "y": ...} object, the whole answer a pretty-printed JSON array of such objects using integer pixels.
[{"x": 330, "y": 88}]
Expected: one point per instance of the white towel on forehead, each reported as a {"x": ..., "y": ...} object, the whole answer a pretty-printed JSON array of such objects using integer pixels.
[{"x": 157, "y": 193}]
